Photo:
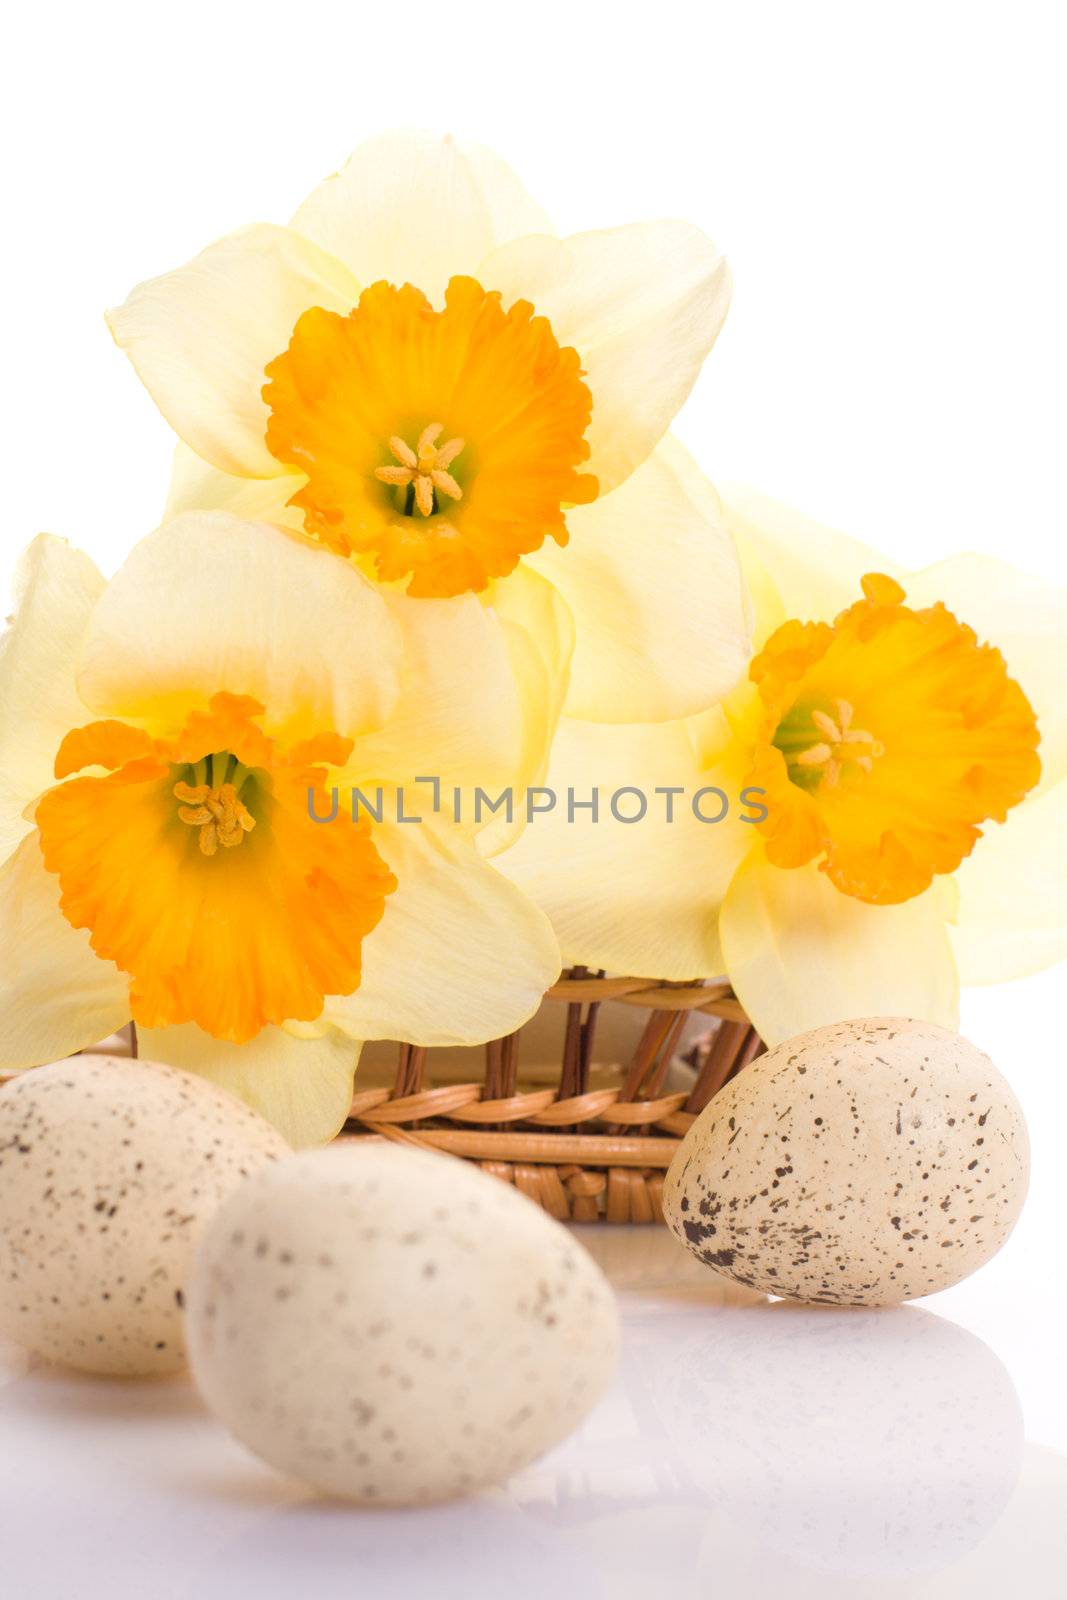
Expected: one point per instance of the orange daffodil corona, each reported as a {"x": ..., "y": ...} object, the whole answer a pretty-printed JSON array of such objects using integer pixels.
[
  {"x": 419, "y": 375},
  {"x": 912, "y": 834},
  {"x": 160, "y": 736},
  {"x": 884, "y": 813}
]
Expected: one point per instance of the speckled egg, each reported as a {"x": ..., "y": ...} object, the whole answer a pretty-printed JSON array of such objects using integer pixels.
[
  {"x": 862, "y": 1163},
  {"x": 394, "y": 1326},
  {"x": 109, "y": 1168}
]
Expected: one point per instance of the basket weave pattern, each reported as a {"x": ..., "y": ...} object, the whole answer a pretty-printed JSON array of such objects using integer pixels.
[{"x": 584, "y": 1153}]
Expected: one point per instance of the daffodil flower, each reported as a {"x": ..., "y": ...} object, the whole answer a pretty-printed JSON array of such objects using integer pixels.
[
  {"x": 417, "y": 374},
  {"x": 890, "y": 828},
  {"x": 165, "y": 740}
]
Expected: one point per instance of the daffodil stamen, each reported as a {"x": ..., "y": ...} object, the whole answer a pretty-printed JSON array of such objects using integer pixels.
[
  {"x": 217, "y": 811},
  {"x": 422, "y": 470},
  {"x": 838, "y": 745}
]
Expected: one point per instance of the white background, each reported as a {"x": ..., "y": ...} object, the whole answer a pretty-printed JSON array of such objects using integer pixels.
[{"x": 886, "y": 179}]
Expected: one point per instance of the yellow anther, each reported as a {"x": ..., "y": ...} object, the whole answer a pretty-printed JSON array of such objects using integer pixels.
[
  {"x": 840, "y": 745},
  {"x": 425, "y": 467},
  {"x": 403, "y": 452},
  {"x": 196, "y": 816},
  {"x": 218, "y": 813},
  {"x": 816, "y": 756},
  {"x": 424, "y": 493}
]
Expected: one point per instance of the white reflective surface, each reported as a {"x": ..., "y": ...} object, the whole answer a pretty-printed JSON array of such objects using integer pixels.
[
  {"x": 745, "y": 1446},
  {"x": 746, "y": 1449}
]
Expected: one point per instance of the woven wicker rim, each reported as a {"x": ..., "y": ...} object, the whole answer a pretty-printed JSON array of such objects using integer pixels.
[{"x": 583, "y": 1153}]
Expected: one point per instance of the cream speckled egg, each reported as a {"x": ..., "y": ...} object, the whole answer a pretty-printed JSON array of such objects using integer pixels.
[
  {"x": 109, "y": 1168},
  {"x": 862, "y": 1163},
  {"x": 393, "y": 1326}
]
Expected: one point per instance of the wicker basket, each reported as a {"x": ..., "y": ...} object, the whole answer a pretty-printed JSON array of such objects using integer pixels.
[{"x": 586, "y": 1141}]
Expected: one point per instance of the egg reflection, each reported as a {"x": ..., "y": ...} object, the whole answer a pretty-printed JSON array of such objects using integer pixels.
[
  {"x": 854, "y": 1443},
  {"x": 647, "y": 1267},
  {"x": 1024, "y": 1554},
  {"x": 857, "y": 1441}
]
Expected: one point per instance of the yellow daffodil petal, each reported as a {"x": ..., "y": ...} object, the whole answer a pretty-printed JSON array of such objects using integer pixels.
[
  {"x": 56, "y": 996},
  {"x": 458, "y": 716},
  {"x": 302, "y": 1086},
  {"x": 635, "y": 897},
  {"x": 201, "y": 336},
  {"x": 460, "y": 955},
  {"x": 642, "y": 305},
  {"x": 55, "y": 589},
  {"x": 814, "y": 571},
  {"x": 1026, "y": 618},
  {"x": 653, "y": 580},
  {"x": 538, "y": 631},
  {"x": 765, "y": 603},
  {"x": 1012, "y": 917},
  {"x": 799, "y": 953},
  {"x": 413, "y": 208},
  {"x": 210, "y": 603},
  {"x": 195, "y": 485}
]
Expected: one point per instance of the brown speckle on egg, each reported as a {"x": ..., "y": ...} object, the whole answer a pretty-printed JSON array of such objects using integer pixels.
[
  {"x": 900, "y": 1169},
  {"x": 108, "y": 1170},
  {"x": 430, "y": 1330}
]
